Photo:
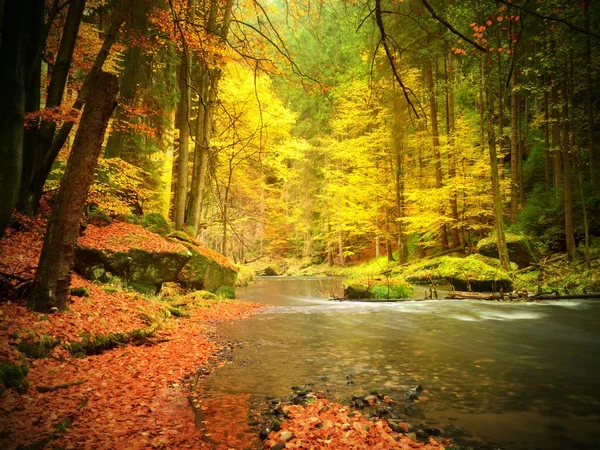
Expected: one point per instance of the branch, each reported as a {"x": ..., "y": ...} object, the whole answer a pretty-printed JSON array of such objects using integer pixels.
[
  {"x": 451, "y": 28},
  {"x": 553, "y": 18},
  {"x": 405, "y": 90}
]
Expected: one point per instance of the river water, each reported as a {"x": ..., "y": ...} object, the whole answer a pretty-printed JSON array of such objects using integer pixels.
[{"x": 518, "y": 375}]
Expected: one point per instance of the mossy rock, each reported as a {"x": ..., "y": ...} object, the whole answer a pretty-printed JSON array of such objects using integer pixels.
[
  {"x": 156, "y": 223},
  {"x": 494, "y": 262},
  {"x": 204, "y": 273},
  {"x": 13, "y": 376},
  {"x": 270, "y": 272},
  {"x": 463, "y": 273},
  {"x": 383, "y": 291},
  {"x": 520, "y": 249},
  {"x": 143, "y": 270},
  {"x": 356, "y": 291},
  {"x": 226, "y": 291}
]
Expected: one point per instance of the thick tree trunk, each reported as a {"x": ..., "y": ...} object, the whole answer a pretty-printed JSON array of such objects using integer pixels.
[
  {"x": 51, "y": 287},
  {"x": 12, "y": 106},
  {"x": 589, "y": 85}
]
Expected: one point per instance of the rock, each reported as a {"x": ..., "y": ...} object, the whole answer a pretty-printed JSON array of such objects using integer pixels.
[
  {"x": 432, "y": 431},
  {"x": 206, "y": 269},
  {"x": 520, "y": 249},
  {"x": 413, "y": 411},
  {"x": 286, "y": 436},
  {"x": 371, "y": 399},
  {"x": 355, "y": 291},
  {"x": 145, "y": 260},
  {"x": 270, "y": 272},
  {"x": 412, "y": 436},
  {"x": 278, "y": 446},
  {"x": 264, "y": 432},
  {"x": 463, "y": 273},
  {"x": 395, "y": 426}
]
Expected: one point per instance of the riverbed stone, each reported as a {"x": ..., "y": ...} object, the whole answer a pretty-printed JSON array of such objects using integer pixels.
[{"x": 286, "y": 436}]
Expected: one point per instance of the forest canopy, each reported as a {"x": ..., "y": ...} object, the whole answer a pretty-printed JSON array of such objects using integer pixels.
[{"x": 321, "y": 130}]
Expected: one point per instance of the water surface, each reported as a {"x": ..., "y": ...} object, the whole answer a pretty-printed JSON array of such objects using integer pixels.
[{"x": 522, "y": 375}]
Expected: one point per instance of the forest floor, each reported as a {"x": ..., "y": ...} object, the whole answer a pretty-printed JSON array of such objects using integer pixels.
[{"x": 115, "y": 370}]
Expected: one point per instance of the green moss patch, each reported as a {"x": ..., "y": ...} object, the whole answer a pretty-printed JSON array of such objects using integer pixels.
[
  {"x": 463, "y": 273},
  {"x": 13, "y": 376}
]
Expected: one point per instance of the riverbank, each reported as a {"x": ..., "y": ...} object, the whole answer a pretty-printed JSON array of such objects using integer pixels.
[
  {"x": 551, "y": 275},
  {"x": 116, "y": 369}
]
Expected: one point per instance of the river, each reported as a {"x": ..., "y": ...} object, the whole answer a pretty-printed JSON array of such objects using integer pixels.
[{"x": 517, "y": 375}]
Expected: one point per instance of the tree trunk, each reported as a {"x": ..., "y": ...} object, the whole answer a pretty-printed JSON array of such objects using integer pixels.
[
  {"x": 128, "y": 84},
  {"x": 12, "y": 106},
  {"x": 51, "y": 287},
  {"x": 56, "y": 90},
  {"x": 589, "y": 84},
  {"x": 568, "y": 194},
  {"x": 35, "y": 35},
  {"x": 451, "y": 130},
  {"x": 209, "y": 88},
  {"x": 341, "y": 244},
  {"x": 41, "y": 174},
  {"x": 547, "y": 149},
  {"x": 514, "y": 153},
  {"x": 497, "y": 196},
  {"x": 435, "y": 134},
  {"x": 184, "y": 130},
  {"x": 556, "y": 153}
]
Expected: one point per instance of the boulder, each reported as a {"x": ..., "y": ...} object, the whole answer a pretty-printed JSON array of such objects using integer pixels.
[
  {"x": 206, "y": 269},
  {"x": 143, "y": 259},
  {"x": 521, "y": 250},
  {"x": 465, "y": 274}
]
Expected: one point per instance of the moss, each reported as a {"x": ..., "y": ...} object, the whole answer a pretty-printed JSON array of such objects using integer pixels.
[
  {"x": 97, "y": 344},
  {"x": 203, "y": 295},
  {"x": 356, "y": 291},
  {"x": 110, "y": 289},
  {"x": 156, "y": 223},
  {"x": 245, "y": 276},
  {"x": 129, "y": 218},
  {"x": 462, "y": 273},
  {"x": 180, "y": 236},
  {"x": 37, "y": 347},
  {"x": 226, "y": 291},
  {"x": 100, "y": 217},
  {"x": 385, "y": 291},
  {"x": 79, "y": 292},
  {"x": 13, "y": 376}
]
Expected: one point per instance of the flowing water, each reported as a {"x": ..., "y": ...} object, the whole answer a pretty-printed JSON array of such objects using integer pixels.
[{"x": 519, "y": 375}]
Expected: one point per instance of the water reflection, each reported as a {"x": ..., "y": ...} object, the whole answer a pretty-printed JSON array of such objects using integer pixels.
[{"x": 506, "y": 372}]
